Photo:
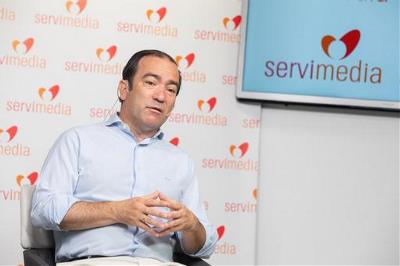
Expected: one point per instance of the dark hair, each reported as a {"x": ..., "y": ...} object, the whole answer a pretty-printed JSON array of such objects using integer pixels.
[{"x": 131, "y": 67}]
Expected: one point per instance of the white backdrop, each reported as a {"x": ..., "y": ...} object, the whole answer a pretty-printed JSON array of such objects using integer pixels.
[{"x": 60, "y": 62}]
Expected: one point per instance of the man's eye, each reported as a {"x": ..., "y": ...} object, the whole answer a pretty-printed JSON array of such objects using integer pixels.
[
  {"x": 150, "y": 83},
  {"x": 172, "y": 90}
]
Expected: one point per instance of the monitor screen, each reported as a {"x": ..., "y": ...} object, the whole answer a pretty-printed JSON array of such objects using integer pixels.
[{"x": 342, "y": 52}]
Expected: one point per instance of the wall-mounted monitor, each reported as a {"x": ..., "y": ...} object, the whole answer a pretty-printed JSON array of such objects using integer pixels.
[{"x": 341, "y": 52}]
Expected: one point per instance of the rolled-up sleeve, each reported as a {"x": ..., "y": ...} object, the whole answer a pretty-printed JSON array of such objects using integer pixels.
[
  {"x": 57, "y": 180},
  {"x": 191, "y": 199}
]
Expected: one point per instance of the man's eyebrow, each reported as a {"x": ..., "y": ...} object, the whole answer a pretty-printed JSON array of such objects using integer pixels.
[
  {"x": 173, "y": 82},
  {"x": 158, "y": 77},
  {"x": 152, "y": 75}
]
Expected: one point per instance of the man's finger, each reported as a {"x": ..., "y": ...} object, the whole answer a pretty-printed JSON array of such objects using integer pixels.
[
  {"x": 153, "y": 195},
  {"x": 157, "y": 212},
  {"x": 172, "y": 203},
  {"x": 148, "y": 229},
  {"x": 172, "y": 224},
  {"x": 156, "y": 203},
  {"x": 175, "y": 214},
  {"x": 151, "y": 222},
  {"x": 169, "y": 230}
]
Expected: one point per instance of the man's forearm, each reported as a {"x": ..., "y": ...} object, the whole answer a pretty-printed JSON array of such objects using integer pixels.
[
  {"x": 85, "y": 215},
  {"x": 133, "y": 211},
  {"x": 193, "y": 240}
]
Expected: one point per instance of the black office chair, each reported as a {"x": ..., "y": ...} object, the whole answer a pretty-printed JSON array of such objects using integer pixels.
[{"x": 38, "y": 243}]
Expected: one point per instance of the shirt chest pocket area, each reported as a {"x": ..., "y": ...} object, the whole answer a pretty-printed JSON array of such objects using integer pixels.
[{"x": 169, "y": 185}]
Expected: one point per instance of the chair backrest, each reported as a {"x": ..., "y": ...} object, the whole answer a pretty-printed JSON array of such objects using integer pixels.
[{"x": 32, "y": 237}]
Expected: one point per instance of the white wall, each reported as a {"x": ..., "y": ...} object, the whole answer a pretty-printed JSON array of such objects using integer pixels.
[{"x": 328, "y": 187}]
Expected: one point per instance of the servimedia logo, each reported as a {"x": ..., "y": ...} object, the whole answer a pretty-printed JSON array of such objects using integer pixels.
[
  {"x": 220, "y": 231},
  {"x": 238, "y": 162},
  {"x": 156, "y": 16},
  {"x": 8, "y": 146},
  {"x": 224, "y": 247},
  {"x": 104, "y": 63},
  {"x": 106, "y": 55},
  {"x": 73, "y": 17},
  {"x": 350, "y": 41},
  {"x": 185, "y": 63},
  {"x": 7, "y": 135},
  {"x": 229, "y": 33},
  {"x": 155, "y": 24},
  {"x": 47, "y": 104},
  {"x": 22, "y": 56},
  {"x": 174, "y": 141},
  {"x": 207, "y": 106},
  {"x": 30, "y": 179},
  {"x": 344, "y": 68},
  {"x": 75, "y": 7},
  {"x": 239, "y": 151},
  {"x": 15, "y": 194},
  {"x": 22, "y": 47},
  {"x": 206, "y": 115},
  {"x": 232, "y": 24},
  {"x": 248, "y": 206},
  {"x": 48, "y": 94}
]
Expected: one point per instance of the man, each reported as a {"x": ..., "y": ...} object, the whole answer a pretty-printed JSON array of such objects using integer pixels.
[{"x": 117, "y": 188}]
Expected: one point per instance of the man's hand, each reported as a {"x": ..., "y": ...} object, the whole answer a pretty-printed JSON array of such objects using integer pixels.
[
  {"x": 137, "y": 211},
  {"x": 142, "y": 212},
  {"x": 183, "y": 220}
]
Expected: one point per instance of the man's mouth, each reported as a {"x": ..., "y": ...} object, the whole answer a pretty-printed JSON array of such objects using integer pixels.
[{"x": 155, "y": 108}]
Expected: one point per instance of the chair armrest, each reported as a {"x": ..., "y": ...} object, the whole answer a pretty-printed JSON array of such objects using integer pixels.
[
  {"x": 188, "y": 260},
  {"x": 39, "y": 257}
]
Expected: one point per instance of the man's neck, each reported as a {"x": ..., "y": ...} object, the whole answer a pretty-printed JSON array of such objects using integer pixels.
[{"x": 139, "y": 135}]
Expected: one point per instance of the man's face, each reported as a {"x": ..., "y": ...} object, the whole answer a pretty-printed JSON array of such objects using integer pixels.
[{"x": 152, "y": 96}]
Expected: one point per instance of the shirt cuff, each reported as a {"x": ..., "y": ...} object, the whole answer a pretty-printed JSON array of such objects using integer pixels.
[
  {"x": 49, "y": 212},
  {"x": 63, "y": 203}
]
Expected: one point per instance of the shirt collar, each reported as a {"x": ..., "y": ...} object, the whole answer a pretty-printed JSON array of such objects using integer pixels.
[{"x": 114, "y": 120}]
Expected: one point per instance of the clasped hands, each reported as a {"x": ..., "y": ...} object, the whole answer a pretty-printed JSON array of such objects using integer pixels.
[{"x": 146, "y": 213}]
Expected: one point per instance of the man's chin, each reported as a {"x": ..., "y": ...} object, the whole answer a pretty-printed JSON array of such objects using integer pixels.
[{"x": 153, "y": 125}]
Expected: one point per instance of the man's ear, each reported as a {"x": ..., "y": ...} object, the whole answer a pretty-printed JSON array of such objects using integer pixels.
[{"x": 123, "y": 89}]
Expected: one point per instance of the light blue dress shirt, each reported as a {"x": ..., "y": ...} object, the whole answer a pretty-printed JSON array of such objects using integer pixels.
[{"x": 103, "y": 162}]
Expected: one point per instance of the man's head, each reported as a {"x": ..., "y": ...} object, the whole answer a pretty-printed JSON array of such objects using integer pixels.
[
  {"x": 131, "y": 66},
  {"x": 151, "y": 82}
]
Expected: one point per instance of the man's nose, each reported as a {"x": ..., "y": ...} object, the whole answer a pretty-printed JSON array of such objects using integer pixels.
[{"x": 159, "y": 94}]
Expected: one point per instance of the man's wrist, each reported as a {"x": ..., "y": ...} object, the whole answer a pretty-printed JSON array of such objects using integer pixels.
[
  {"x": 194, "y": 227},
  {"x": 114, "y": 210}
]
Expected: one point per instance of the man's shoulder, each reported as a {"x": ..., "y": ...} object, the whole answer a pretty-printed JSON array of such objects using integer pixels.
[{"x": 82, "y": 130}]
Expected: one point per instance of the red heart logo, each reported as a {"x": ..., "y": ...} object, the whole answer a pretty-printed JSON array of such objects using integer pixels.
[
  {"x": 211, "y": 104},
  {"x": 12, "y": 131},
  {"x": 53, "y": 90},
  {"x": 174, "y": 141},
  {"x": 110, "y": 53},
  {"x": 350, "y": 40},
  {"x": 32, "y": 177},
  {"x": 28, "y": 43},
  {"x": 79, "y": 4},
  {"x": 255, "y": 193},
  {"x": 189, "y": 59},
  {"x": 242, "y": 148},
  {"x": 161, "y": 14},
  {"x": 236, "y": 22},
  {"x": 220, "y": 231}
]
